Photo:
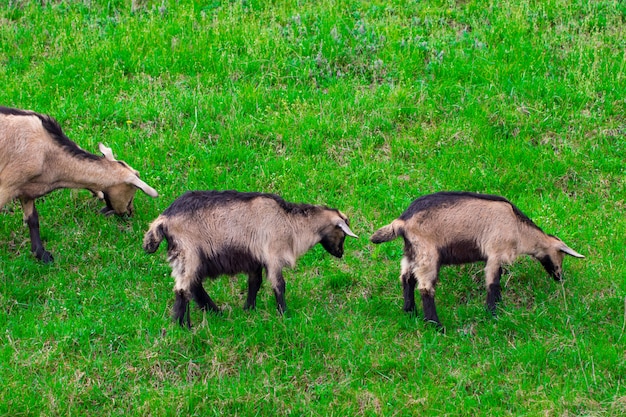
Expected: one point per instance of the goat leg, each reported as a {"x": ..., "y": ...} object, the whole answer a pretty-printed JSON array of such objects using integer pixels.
[
  {"x": 408, "y": 289},
  {"x": 254, "y": 284},
  {"x": 278, "y": 285},
  {"x": 31, "y": 218},
  {"x": 181, "y": 309},
  {"x": 493, "y": 272},
  {"x": 201, "y": 297},
  {"x": 430, "y": 312}
]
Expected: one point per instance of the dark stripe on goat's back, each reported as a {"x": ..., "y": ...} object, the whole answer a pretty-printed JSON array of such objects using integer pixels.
[
  {"x": 9, "y": 111},
  {"x": 193, "y": 201},
  {"x": 54, "y": 129},
  {"x": 453, "y": 198}
]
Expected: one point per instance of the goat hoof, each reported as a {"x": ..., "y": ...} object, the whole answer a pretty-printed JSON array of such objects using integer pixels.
[
  {"x": 437, "y": 325},
  {"x": 410, "y": 309},
  {"x": 184, "y": 324},
  {"x": 46, "y": 257},
  {"x": 107, "y": 211},
  {"x": 216, "y": 312}
]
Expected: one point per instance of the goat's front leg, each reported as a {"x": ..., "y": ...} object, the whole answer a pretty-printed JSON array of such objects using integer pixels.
[
  {"x": 275, "y": 276},
  {"x": 5, "y": 198},
  {"x": 493, "y": 272},
  {"x": 201, "y": 298},
  {"x": 254, "y": 284},
  {"x": 31, "y": 218}
]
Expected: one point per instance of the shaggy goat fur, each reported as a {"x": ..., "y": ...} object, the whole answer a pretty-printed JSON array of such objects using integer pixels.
[
  {"x": 36, "y": 158},
  {"x": 213, "y": 233},
  {"x": 460, "y": 227}
]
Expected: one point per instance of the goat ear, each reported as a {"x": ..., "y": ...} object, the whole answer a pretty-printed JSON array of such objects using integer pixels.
[
  {"x": 134, "y": 180},
  {"x": 107, "y": 152},
  {"x": 343, "y": 226},
  {"x": 566, "y": 249}
]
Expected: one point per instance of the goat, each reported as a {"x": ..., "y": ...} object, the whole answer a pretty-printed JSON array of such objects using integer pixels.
[
  {"x": 213, "y": 233},
  {"x": 36, "y": 158},
  {"x": 460, "y": 227}
]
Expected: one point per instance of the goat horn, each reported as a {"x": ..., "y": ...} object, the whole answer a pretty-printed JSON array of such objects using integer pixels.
[
  {"x": 134, "y": 180},
  {"x": 566, "y": 249},
  {"x": 346, "y": 229}
]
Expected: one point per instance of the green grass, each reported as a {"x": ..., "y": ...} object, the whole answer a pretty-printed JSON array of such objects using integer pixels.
[{"x": 363, "y": 106}]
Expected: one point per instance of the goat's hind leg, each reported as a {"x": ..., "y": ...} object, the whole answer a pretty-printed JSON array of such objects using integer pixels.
[
  {"x": 31, "y": 218},
  {"x": 408, "y": 285},
  {"x": 185, "y": 285},
  {"x": 181, "y": 309},
  {"x": 275, "y": 277},
  {"x": 426, "y": 282}
]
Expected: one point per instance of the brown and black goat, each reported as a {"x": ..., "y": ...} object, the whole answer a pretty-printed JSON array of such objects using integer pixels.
[
  {"x": 36, "y": 158},
  {"x": 213, "y": 233},
  {"x": 460, "y": 227}
]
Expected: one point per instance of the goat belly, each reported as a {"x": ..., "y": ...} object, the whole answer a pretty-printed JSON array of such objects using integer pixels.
[
  {"x": 460, "y": 252},
  {"x": 227, "y": 261}
]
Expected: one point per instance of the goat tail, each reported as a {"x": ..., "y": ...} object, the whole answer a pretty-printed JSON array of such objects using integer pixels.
[
  {"x": 154, "y": 236},
  {"x": 389, "y": 232}
]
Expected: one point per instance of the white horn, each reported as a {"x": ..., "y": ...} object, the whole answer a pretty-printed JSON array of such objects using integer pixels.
[
  {"x": 346, "y": 229},
  {"x": 134, "y": 180},
  {"x": 566, "y": 249}
]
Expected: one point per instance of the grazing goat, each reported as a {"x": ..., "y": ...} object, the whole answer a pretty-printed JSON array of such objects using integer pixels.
[
  {"x": 36, "y": 158},
  {"x": 459, "y": 227},
  {"x": 213, "y": 233}
]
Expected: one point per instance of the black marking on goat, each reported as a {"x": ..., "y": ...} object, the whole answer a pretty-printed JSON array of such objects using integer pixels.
[
  {"x": 334, "y": 246},
  {"x": 451, "y": 198},
  {"x": 55, "y": 131},
  {"x": 230, "y": 261},
  {"x": 549, "y": 266},
  {"x": 193, "y": 201},
  {"x": 9, "y": 111},
  {"x": 460, "y": 252},
  {"x": 53, "y": 128}
]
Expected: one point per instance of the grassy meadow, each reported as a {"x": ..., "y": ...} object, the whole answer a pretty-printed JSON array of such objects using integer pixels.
[{"x": 359, "y": 105}]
